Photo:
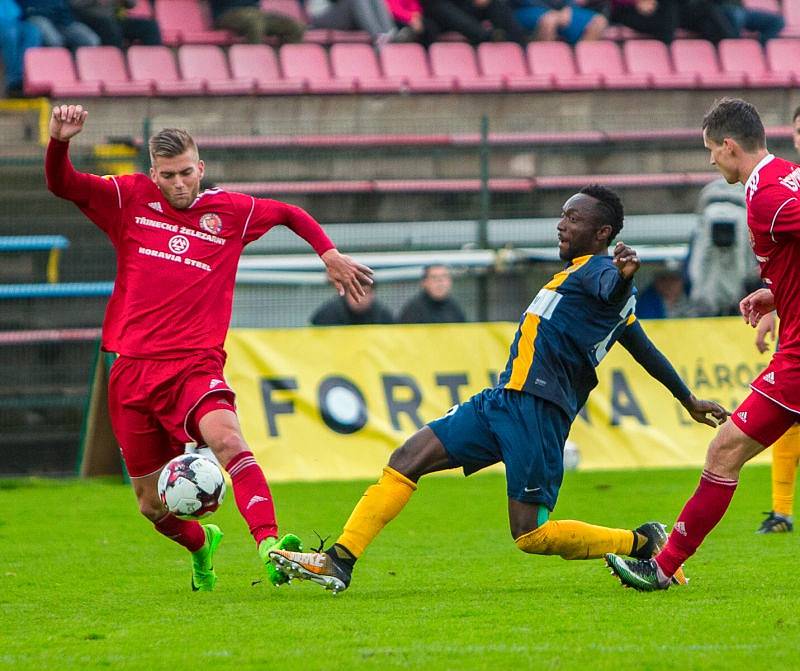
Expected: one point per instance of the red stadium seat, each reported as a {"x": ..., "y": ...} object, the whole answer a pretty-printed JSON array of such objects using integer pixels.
[
  {"x": 186, "y": 22},
  {"x": 747, "y": 57},
  {"x": 651, "y": 58},
  {"x": 506, "y": 60},
  {"x": 605, "y": 59},
  {"x": 791, "y": 14},
  {"x": 783, "y": 57},
  {"x": 156, "y": 65},
  {"x": 697, "y": 57},
  {"x": 358, "y": 63},
  {"x": 457, "y": 60},
  {"x": 554, "y": 59},
  {"x": 106, "y": 66},
  {"x": 764, "y": 5},
  {"x": 259, "y": 63},
  {"x": 49, "y": 71},
  {"x": 309, "y": 63},
  {"x": 207, "y": 63},
  {"x": 410, "y": 63}
]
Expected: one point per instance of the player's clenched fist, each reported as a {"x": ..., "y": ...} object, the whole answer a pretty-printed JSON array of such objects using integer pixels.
[
  {"x": 67, "y": 121},
  {"x": 626, "y": 260}
]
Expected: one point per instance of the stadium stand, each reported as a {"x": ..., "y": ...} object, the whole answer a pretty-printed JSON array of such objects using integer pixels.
[
  {"x": 697, "y": 57},
  {"x": 457, "y": 61},
  {"x": 309, "y": 63},
  {"x": 30, "y": 244},
  {"x": 358, "y": 64},
  {"x": 106, "y": 67},
  {"x": 187, "y": 22},
  {"x": 746, "y": 56},
  {"x": 51, "y": 72},
  {"x": 652, "y": 59},
  {"x": 555, "y": 60},
  {"x": 409, "y": 63},
  {"x": 156, "y": 67},
  {"x": 506, "y": 61},
  {"x": 604, "y": 58},
  {"x": 783, "y": 57},
  {"x": 259, "y": 63},
  {"x": 208, "y": 64}
]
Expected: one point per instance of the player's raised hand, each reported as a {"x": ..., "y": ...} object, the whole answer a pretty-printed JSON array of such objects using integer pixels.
[
  {"x": 753, "y": 307},
  {"x": 768, "y": 326},
  {"x": 626, "y": 260},
  {"x": 66, "y": 121},
  {"x": 348, "y": 276},
  {"x": 700, "y": 411}
]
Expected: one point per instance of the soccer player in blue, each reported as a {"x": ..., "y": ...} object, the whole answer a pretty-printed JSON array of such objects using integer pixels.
[{"x": 524, "y": 421}]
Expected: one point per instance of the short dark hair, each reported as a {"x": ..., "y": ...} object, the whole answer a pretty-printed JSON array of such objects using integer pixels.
[
  {"x": 610, "y": 210},
  {"x": 738, "y": 120},
  {"x": 170, "y": 142},
  {"x": 796, "y": 113}
]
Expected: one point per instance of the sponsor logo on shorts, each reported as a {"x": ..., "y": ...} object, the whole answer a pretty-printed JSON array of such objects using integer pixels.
[
  {"x": 211, "y": 223},
  {"x": 680, "y": 527},
  {"x": 743, "y": 416},
  {"x": 178, "y": 244},
  {"x": 155, "y": 205},
  {"x": 769, "y": 377},
  {"x": 528, "y": 490}
]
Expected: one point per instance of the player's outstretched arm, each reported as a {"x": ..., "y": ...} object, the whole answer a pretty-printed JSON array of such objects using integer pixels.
[
  {"x": 754, "y": 306},
  {"x": 649, "y": 357},
  {"x": 768, "y": 326},
  {"x": 348, "y": 276}
]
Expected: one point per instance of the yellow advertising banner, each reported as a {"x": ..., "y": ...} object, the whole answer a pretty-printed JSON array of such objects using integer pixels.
[{"x": 332, "y": 403}]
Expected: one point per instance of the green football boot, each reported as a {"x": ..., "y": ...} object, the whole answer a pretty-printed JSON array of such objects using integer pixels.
[
  {"x": 288, "y": 542},
  {"x": 203, "y": 576}
]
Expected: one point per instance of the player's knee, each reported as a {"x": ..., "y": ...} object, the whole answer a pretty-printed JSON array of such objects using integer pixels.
[
  {"x": 151, "y": 507},
  {"x": 728, "y": 452},
  {"x": 403, "y": 460},
  {"x": 227, "y": 446}
]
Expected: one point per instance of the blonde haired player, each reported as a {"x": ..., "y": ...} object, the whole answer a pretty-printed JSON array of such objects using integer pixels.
[{"x": 177, "y": 251}]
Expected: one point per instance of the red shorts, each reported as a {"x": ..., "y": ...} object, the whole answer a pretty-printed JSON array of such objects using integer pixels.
[
  {"x": 774, "y": 404},
  {"x": 156, "y": 405}
]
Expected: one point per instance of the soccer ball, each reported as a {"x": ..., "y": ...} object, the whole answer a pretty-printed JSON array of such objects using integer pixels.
[{"x": 191, "y": 486}]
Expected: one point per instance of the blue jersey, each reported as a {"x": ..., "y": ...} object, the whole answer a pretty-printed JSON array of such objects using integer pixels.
[{"x": 567, "y": 330}]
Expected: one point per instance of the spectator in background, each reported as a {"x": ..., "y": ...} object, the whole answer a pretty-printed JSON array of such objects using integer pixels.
[
  {"x": 766, "y": 24},
  {"x": 246, "y": 18},
  {"x": 477, "y": 20},
  {"x": 433, "y": 304},
  {"x": 559, "y": 19},
  {"x": 108, "y": 19},
  {"x": 657, "y": 18},
  {"x": 371, "y": 16},
  {"x": 706, "y": 18},
  {"x": 665, "y": 298},
  {"x": 414, "y": 25},
  {"x": 344, "y": 311},
  {"x": 796, "y": 129},
  {"x": 15, "y": 37},
  {"x": 57, "y": 25}
]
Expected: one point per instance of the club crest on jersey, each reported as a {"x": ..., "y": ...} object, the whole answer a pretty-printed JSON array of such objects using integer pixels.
[{"x": 211, "y": 223}]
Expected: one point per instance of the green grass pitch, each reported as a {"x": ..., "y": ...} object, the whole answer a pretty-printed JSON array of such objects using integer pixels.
[{"x": 86, "y": 584}]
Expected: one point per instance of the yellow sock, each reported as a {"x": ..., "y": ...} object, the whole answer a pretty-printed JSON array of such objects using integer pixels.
[
  {"x": 575, "y": 540},
  {"x": 380, "y": 505},
  {"x": 785, "y": 454}
]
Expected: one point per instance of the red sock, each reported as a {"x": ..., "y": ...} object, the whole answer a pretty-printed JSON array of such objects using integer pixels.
[
  {"x": 698, "y": 517},
  {"x": 186, "y": 533},
  {"x": 252, "y": 495}
]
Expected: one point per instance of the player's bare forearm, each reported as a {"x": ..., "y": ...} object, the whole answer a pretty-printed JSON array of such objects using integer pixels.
[{"x": 348, "y": 276}]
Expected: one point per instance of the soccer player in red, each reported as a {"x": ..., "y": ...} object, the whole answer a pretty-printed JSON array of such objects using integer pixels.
[
  {"x": 734, "y": 135},
  {"x": 177, "y": 253}
]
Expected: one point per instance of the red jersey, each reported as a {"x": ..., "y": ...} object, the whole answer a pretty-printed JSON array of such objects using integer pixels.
[
  {"x": 773, "y": 216},
  {"x": 176, "y": 269}
]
